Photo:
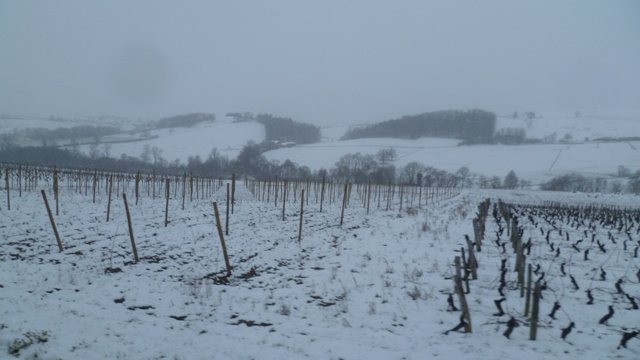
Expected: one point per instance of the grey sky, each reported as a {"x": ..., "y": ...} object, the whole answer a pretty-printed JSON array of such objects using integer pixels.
[{"x": 317, "y": 61}]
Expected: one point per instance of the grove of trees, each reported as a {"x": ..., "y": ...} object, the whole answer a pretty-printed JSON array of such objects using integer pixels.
[
  {"x": 279, "y": 129},
  {"x": 186, "y": 120},
  {"x": 473, "y": 127}
]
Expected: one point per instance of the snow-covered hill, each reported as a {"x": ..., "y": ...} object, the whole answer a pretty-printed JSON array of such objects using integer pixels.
[
  {"x": 181, "y": 143},
  {"x": 535, "y": 163},
  {"x": 589, "y": 125},
  {"x": 174, "y": 143}
]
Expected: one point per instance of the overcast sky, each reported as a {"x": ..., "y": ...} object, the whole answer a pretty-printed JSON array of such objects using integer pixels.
[{"x": 324, "y": 62}]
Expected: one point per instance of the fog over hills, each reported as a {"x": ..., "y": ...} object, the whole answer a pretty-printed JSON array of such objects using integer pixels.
[
  {"x": 321, "y": 62},
  {"x": 320, "y": 179}
]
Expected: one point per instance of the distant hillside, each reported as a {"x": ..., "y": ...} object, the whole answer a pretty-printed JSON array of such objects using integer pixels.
[{"x": 474, "y": 126}]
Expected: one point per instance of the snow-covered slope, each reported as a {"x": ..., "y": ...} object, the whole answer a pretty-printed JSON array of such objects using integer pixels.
[
  {"x": 181, "y": 143},
  {"x": 534, "y": 163},
  {"x": 174, "y": 143},
  {"x": 587, "y": 125},
  {"x": 12, "y": 123}
]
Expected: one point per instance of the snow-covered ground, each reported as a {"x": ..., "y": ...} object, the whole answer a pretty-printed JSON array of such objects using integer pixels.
[
  {"x": 181, "y": 143},
  {"x": 9, "y": 124},
  {"x": 536, "y": 163},
  {"x": 589, "y": 124},
  {"x": 374, "y": 288},
  {"x": 175, "y": 143}
]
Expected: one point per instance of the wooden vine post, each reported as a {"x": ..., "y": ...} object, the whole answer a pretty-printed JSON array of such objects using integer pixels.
[
  {"x": 226, "y": 220},
  {"x": 20, "y": 180},
  {"x": 344, "y": 203},
  {"x": 166, "y": 206},
  {"x": 520, "y": 264},
  {"x": 461, "y": 297},
  {"x": 368, "y": 196},
  {"x": 53, "y": 223},
  {"x": 191, "y": 187},
  {"x": 137, "y": 186},
  {"x": 521, "y": 278},
  {"x": 301, "y": 216},
  {"x": 221, "y": 235},
  {"x": 275, "y": 192},
  {"x": 184, "y": 188},
  {"x": 473, "y": 263},
  {"x": 477, "y": 234},
  {"x": 284, "y": 198},
  {"x": 109, "y": 197},
  {"x": 133, "y": 241},
  {"x": 95, "y": 184},
  {"x": 233, "y": 191},
  {"x": 527, "y": 303},
  {"x": 533, "y": 329},
  {"x": 6, "y": 180},
  {"x": 389, "y": 196},
  {"x": 56, "y": 188},
  {"x": 322, "y": 192}
]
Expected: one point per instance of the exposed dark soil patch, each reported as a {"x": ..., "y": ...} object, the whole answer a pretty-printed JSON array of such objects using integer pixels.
[{"x": 251, "y": 323}]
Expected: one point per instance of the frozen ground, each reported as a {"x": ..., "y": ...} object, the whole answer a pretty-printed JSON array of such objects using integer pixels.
[{"x": 374, "y": 288}]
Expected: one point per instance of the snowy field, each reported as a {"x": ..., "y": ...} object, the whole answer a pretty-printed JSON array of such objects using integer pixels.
[
  {"x": 591, "y": 124},
  {"x": 175, "y": 143},
  {"x": 181, "y": 143},
  {"x": 374, "y": 288},
  {"x": 536, "y": 163},
  {"x": 9, "y": 124}
]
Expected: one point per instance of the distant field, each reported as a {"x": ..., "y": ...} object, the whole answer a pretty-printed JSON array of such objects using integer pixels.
[
  {"x": 532, "y": 162},
  {"x": 182, "y": 143},
  {"x": 590, "y": 124},
  {"x": 535, "y": 163}
]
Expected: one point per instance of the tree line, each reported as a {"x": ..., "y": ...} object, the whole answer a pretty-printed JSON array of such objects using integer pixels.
[
  {"x": 353, "y": 167},
  {"x": 187, "y": 120}
]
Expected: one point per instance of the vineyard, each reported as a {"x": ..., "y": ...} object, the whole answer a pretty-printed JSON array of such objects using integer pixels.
[{"x": 148, "y": 266}]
